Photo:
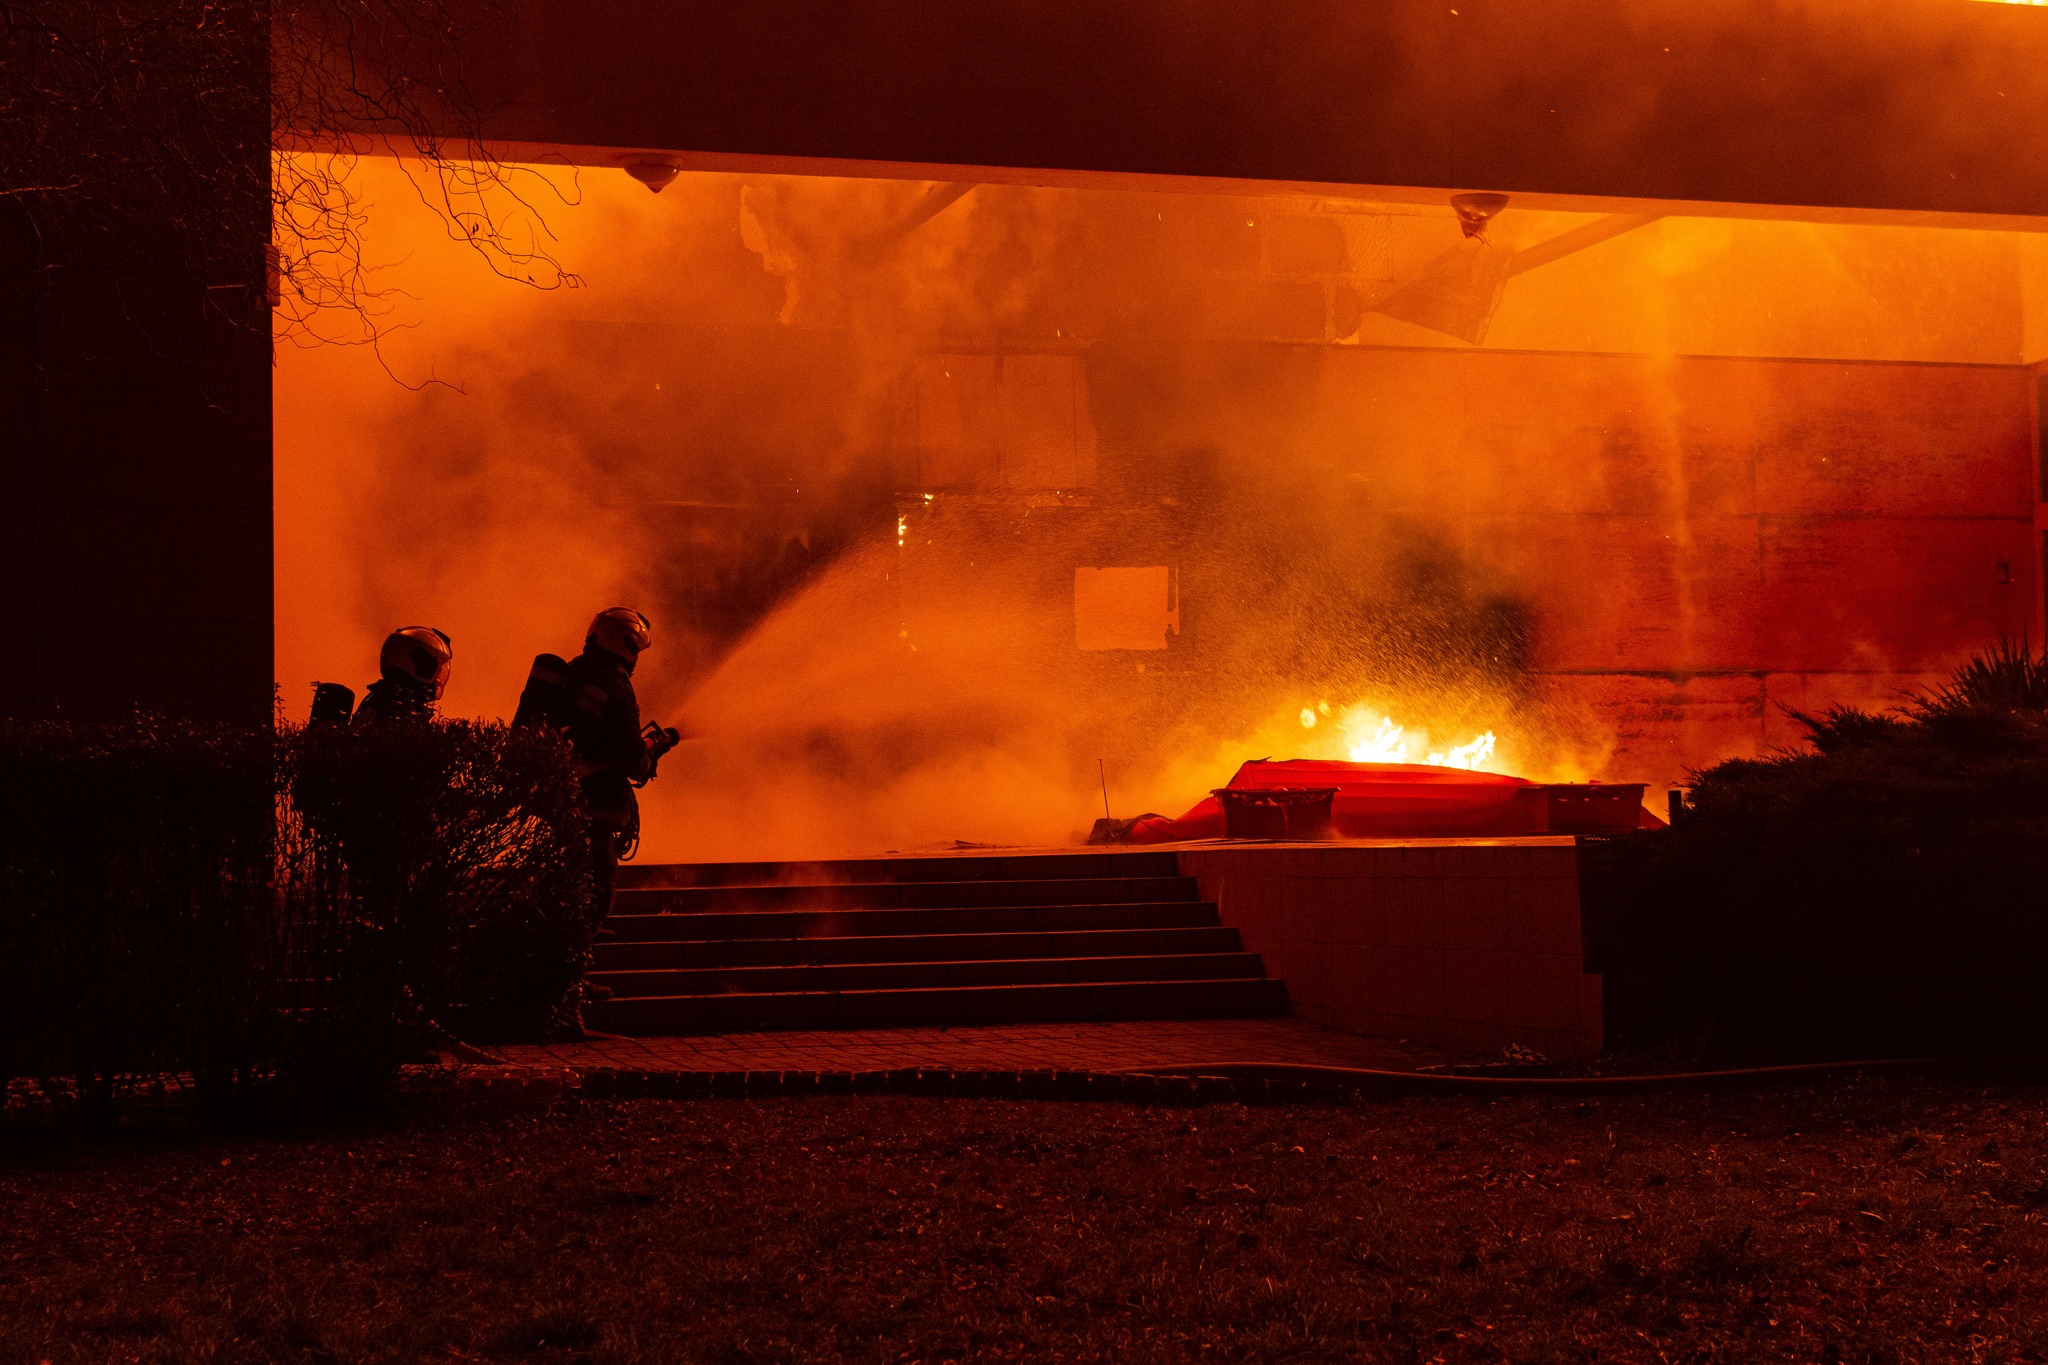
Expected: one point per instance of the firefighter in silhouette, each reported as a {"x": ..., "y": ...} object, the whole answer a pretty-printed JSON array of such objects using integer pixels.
[
  {"x": 415, "y": 662},
  {"x": 591, "y": 699}
]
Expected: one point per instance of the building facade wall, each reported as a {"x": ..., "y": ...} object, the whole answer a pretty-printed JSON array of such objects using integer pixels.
[
  {"x": 135, "y": 408},
  {"x": 1470, "y": 946},
  {"x": 1702, "y": 545}
]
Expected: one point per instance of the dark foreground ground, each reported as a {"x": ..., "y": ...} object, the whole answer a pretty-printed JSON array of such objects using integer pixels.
[{"x": 1864, "y": 1221}]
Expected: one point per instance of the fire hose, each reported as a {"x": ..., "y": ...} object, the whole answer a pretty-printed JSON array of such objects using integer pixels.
[{"x": 1448, "y": 1083}]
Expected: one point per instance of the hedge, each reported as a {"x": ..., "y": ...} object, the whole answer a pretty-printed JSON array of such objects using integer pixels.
[
  {"x": 246, "y": 904},
  {"x": 1882, "y": 891}
]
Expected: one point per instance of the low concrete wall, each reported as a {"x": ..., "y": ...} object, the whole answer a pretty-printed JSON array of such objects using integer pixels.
[{"x": 1466, "y": 945}]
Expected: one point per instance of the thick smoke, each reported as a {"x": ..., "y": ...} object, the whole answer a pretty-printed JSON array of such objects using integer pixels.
[{"x": 739, "y": 427}]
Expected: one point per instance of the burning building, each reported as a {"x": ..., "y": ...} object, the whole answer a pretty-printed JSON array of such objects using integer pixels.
[
  {"x": 1002, "y": 408},
  {"x": 996, "y": 406},
  {"x": 952, "y": 510},
  {"x": 1651, "y": 136}
]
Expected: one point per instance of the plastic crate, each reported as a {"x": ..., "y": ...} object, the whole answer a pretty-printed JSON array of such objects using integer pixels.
[{"x": 1277, "y": 812}]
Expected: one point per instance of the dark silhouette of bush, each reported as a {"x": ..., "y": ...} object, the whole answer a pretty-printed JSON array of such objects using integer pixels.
[
  {"x": 447, "y": 887},
  {"x": 136, "y": 934},
  {"x": 1884, "y": 892},
  {"x": 2007, "y": 677},
  {"x": 242, "y": 904}
]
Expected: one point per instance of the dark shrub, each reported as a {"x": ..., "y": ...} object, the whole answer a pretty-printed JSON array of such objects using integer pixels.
[
  {"x": 2006, "y": 678},
  {"x": 447, "y": 889},
  {"x": 240, "y": 903},
  {"x": 1885, "y": 893},
  {"x": 137, "y": 926}
]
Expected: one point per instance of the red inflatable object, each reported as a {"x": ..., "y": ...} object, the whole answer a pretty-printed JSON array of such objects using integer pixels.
[{"x": 1415, "y": 801}]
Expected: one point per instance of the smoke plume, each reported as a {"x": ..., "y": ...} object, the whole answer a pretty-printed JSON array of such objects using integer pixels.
[{"x": 760, "y": 424}]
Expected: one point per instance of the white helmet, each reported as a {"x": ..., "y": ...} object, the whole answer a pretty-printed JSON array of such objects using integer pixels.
[
  {"x": 621, "y": 631},
  {"x": 418, "y": 654}
]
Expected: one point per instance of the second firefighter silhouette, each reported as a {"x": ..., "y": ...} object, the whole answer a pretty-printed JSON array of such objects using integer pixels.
[
  {"x": 591, "y": 698},
  {"x": 415, "y": 663}
]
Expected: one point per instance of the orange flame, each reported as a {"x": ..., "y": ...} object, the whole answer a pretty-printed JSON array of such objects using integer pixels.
[{"x": 1373, "y": 737}]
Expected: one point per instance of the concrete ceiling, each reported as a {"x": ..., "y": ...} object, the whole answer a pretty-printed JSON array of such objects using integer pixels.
[{"x": 1811, "y": 108}]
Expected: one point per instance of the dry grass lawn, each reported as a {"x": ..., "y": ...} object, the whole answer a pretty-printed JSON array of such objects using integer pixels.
[{"x": 1865, "y": 1221}]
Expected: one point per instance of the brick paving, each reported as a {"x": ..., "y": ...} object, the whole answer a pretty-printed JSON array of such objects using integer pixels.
[{"x": 1021, "y": 1047}]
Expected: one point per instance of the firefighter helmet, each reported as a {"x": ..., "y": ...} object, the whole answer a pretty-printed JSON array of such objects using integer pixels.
[
  {"x": 620, "y": 631},
  {"x": 418, "y": 654}
]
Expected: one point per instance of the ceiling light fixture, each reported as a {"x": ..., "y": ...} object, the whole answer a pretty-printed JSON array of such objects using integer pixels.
[{"x": 655, "y": 172}]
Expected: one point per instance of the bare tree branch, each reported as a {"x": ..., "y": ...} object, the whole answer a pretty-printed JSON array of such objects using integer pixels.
[
  {"x": 356, "y": 76},
  {"x": 129, "y": 130}
]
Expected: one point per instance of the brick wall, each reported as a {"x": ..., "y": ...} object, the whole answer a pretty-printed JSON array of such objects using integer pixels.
[{"x": 1472, "y": 946}]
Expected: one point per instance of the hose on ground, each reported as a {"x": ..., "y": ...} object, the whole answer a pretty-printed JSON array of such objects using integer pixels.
[{"x": 1445, "y": 1083}]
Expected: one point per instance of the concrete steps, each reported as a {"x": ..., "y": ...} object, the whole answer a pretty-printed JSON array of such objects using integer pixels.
[
  {"x": 866, "y": 943},
  {"x": 976, "y": 893},
  {"x": 940, "y": 1006},
  {"x": 656, "y": 954},
  {"x": 856, "y": 976},
  {"x": 935, "y": 868},
  {"x": 851, "y": 922}
]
